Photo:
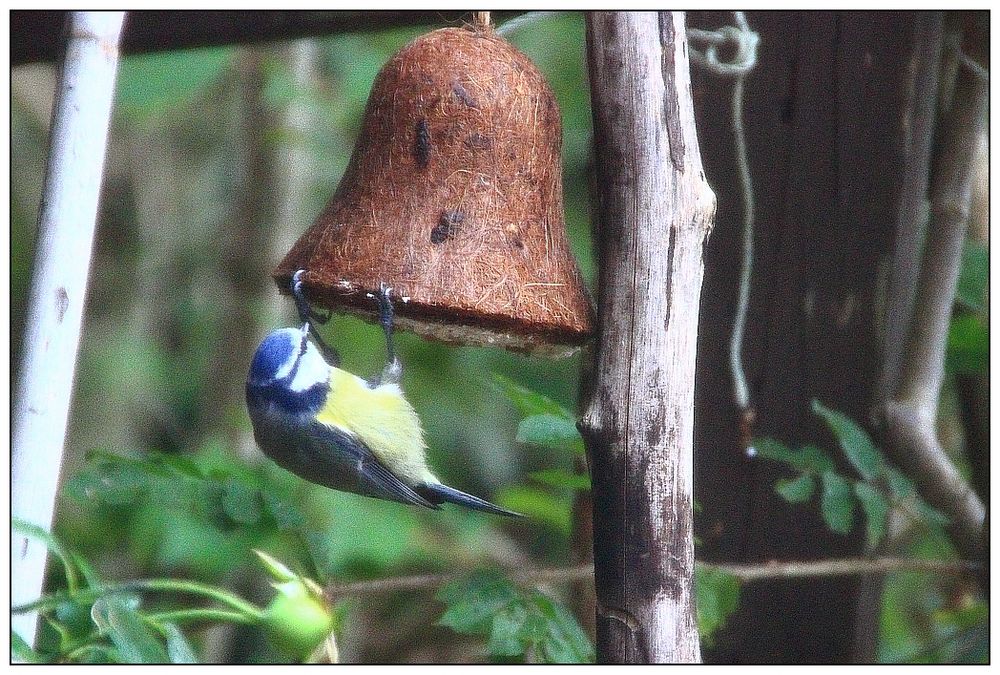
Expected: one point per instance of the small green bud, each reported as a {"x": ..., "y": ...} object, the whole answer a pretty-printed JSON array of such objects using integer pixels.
[{"x": 298, "y": 619}]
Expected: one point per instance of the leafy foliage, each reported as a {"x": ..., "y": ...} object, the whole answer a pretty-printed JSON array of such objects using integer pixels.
[
  {"x": 837, "y": 503},
  {"x": 968, "y": 348},
  {"x": 880, "y": 485},
  {"x": 854, "y": 441},
  {"x": 119, "y": 619},
  {"x": 796, "y": 490},
  {"x": 554, "y": 431},
  {"x": 806, "y": 459},
  {"x": 527, "y": 402},
  {"x": 517, "y": 623},
  {"x": 108, "y": 622},
  {"x": 876, "y": 507},
  {"x": 543, "y": 506},
  {"x": 545, "y": 424},
  {"x": 718, "y": 596},
  {"x": 561, "y": 478},
  {"x": 177, "y": 502}
]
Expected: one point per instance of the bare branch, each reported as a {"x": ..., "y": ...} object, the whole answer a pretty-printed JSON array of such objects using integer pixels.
[
  {"x": 911, "y": 219},
  {"x": 747, "y": 573},
  {"x": 537, "y": 576},
  {"x": 840, "y": 567},
  {"x": 910, "y": 414}
]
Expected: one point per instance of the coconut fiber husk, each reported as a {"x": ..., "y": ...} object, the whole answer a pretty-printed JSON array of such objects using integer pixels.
[{"x": 453, "y": 197}]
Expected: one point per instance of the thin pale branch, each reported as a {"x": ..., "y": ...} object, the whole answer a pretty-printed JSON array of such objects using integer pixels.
[
  {"x": 841, "y": 567},
  {"x": 912, "y": 214},
  {"x": 747, "y": 573},
  {"x": 529, "y": 576},
  {"x": 910, "y": 414}
]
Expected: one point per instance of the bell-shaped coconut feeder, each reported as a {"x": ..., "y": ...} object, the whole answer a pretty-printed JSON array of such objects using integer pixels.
[{"x": 453, "y": 198}]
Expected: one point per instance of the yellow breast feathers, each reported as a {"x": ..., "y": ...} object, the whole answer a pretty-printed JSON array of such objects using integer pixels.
[{"x": 382, "y": 419}]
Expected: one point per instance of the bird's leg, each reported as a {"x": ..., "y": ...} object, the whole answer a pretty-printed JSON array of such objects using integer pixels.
[
  {"x": 393, "y": 371},
  {"x": 308, "y": 315}
]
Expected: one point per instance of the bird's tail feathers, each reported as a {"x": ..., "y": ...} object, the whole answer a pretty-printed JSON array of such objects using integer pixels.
[{"x": 438, "y": 492}]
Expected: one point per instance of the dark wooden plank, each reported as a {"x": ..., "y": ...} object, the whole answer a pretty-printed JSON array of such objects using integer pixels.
[
  {"x": 37, "y": 35},
  {"x": 823, "y": 119}
]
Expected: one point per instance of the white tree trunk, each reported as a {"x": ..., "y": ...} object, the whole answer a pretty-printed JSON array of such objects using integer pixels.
[
  {"x": 58, "y": 290},
  {"x": 656, "y": 210}
]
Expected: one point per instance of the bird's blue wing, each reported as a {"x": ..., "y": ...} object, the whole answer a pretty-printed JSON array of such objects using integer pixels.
[{"x": 343, "y": 462}]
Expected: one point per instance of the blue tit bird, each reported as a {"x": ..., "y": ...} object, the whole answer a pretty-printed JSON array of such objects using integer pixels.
[{"x": 336, "y": 429}]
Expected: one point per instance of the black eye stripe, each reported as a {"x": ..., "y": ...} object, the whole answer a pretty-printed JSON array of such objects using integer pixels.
[{"x": 298, "y": 358}]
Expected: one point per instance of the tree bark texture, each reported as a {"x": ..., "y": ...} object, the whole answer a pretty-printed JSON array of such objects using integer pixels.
[
  {"x": 824, "y": 118},
  {"x": 655, "y": 212}
]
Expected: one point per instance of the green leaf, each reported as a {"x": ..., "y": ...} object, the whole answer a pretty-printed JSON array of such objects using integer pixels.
[
  {"x": 277, "y": 569},
  {"x": 930, "y": 514},
  {"x": 553, "y": 510},
  {"x": 86, "y": 571},
  {"x": 149, "y": 84},
  {"x": 899, "y": 483},
  {"x": 179, "y": 650},
  {"x": 98, "y": 654},
  {"x": 553, "y": 431},
  {"x": 134, "y": 638},
  {"x": 808, "y": 458},
  {"x": 74, "y": 619},
  {"x": 974, "y": 275},
  {"x": 179, "y": 463},
  {"x": 562, "y": 640},
  {"x": 528, "y": 402},
  {"x": 968, "y": 350},
  {"x": 473, "y": 601},
  {"x": 876, "y": 508},
  {"x": 113, "y": 483},
  {"x": 854, "y": 441},
  {"x": 286, "y": 516},
  {"x": 488, "y": 604},
  {"x": 561, "y": 478},
  {"x": 22, "y": 651},
  {"x": 796, "y": 490},
  {"x": 837, "y": 503},
  {"x": 241, "y": 502},
  {"x": 507, "y": 634},
  {"x": 718, "y": 595}
]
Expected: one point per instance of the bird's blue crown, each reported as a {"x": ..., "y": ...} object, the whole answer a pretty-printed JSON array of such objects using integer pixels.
[
  {"x": 272, "y": 377},
  {"x": 278, "y": 351}
]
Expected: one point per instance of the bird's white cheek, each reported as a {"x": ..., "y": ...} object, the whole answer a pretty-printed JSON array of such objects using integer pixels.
[
  {"x": 312, "y": 370},
  {"x": 285, "y": 369}
]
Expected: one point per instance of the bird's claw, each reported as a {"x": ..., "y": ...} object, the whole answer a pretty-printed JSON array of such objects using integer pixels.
[{"x": 306, "y": 311}]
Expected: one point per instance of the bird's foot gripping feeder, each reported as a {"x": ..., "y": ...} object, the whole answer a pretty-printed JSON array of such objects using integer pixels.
[{"x": 453, "y": 197}]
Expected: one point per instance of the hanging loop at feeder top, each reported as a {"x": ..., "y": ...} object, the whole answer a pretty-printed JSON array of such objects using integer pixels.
[{"x": 453, "y": 197}]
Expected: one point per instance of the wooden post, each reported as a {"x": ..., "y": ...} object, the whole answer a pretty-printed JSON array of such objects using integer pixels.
[
  {"x": 825, "y": 119},
  {"x": 656, "y": 210},
  {"x": 58, "y": 289}
]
